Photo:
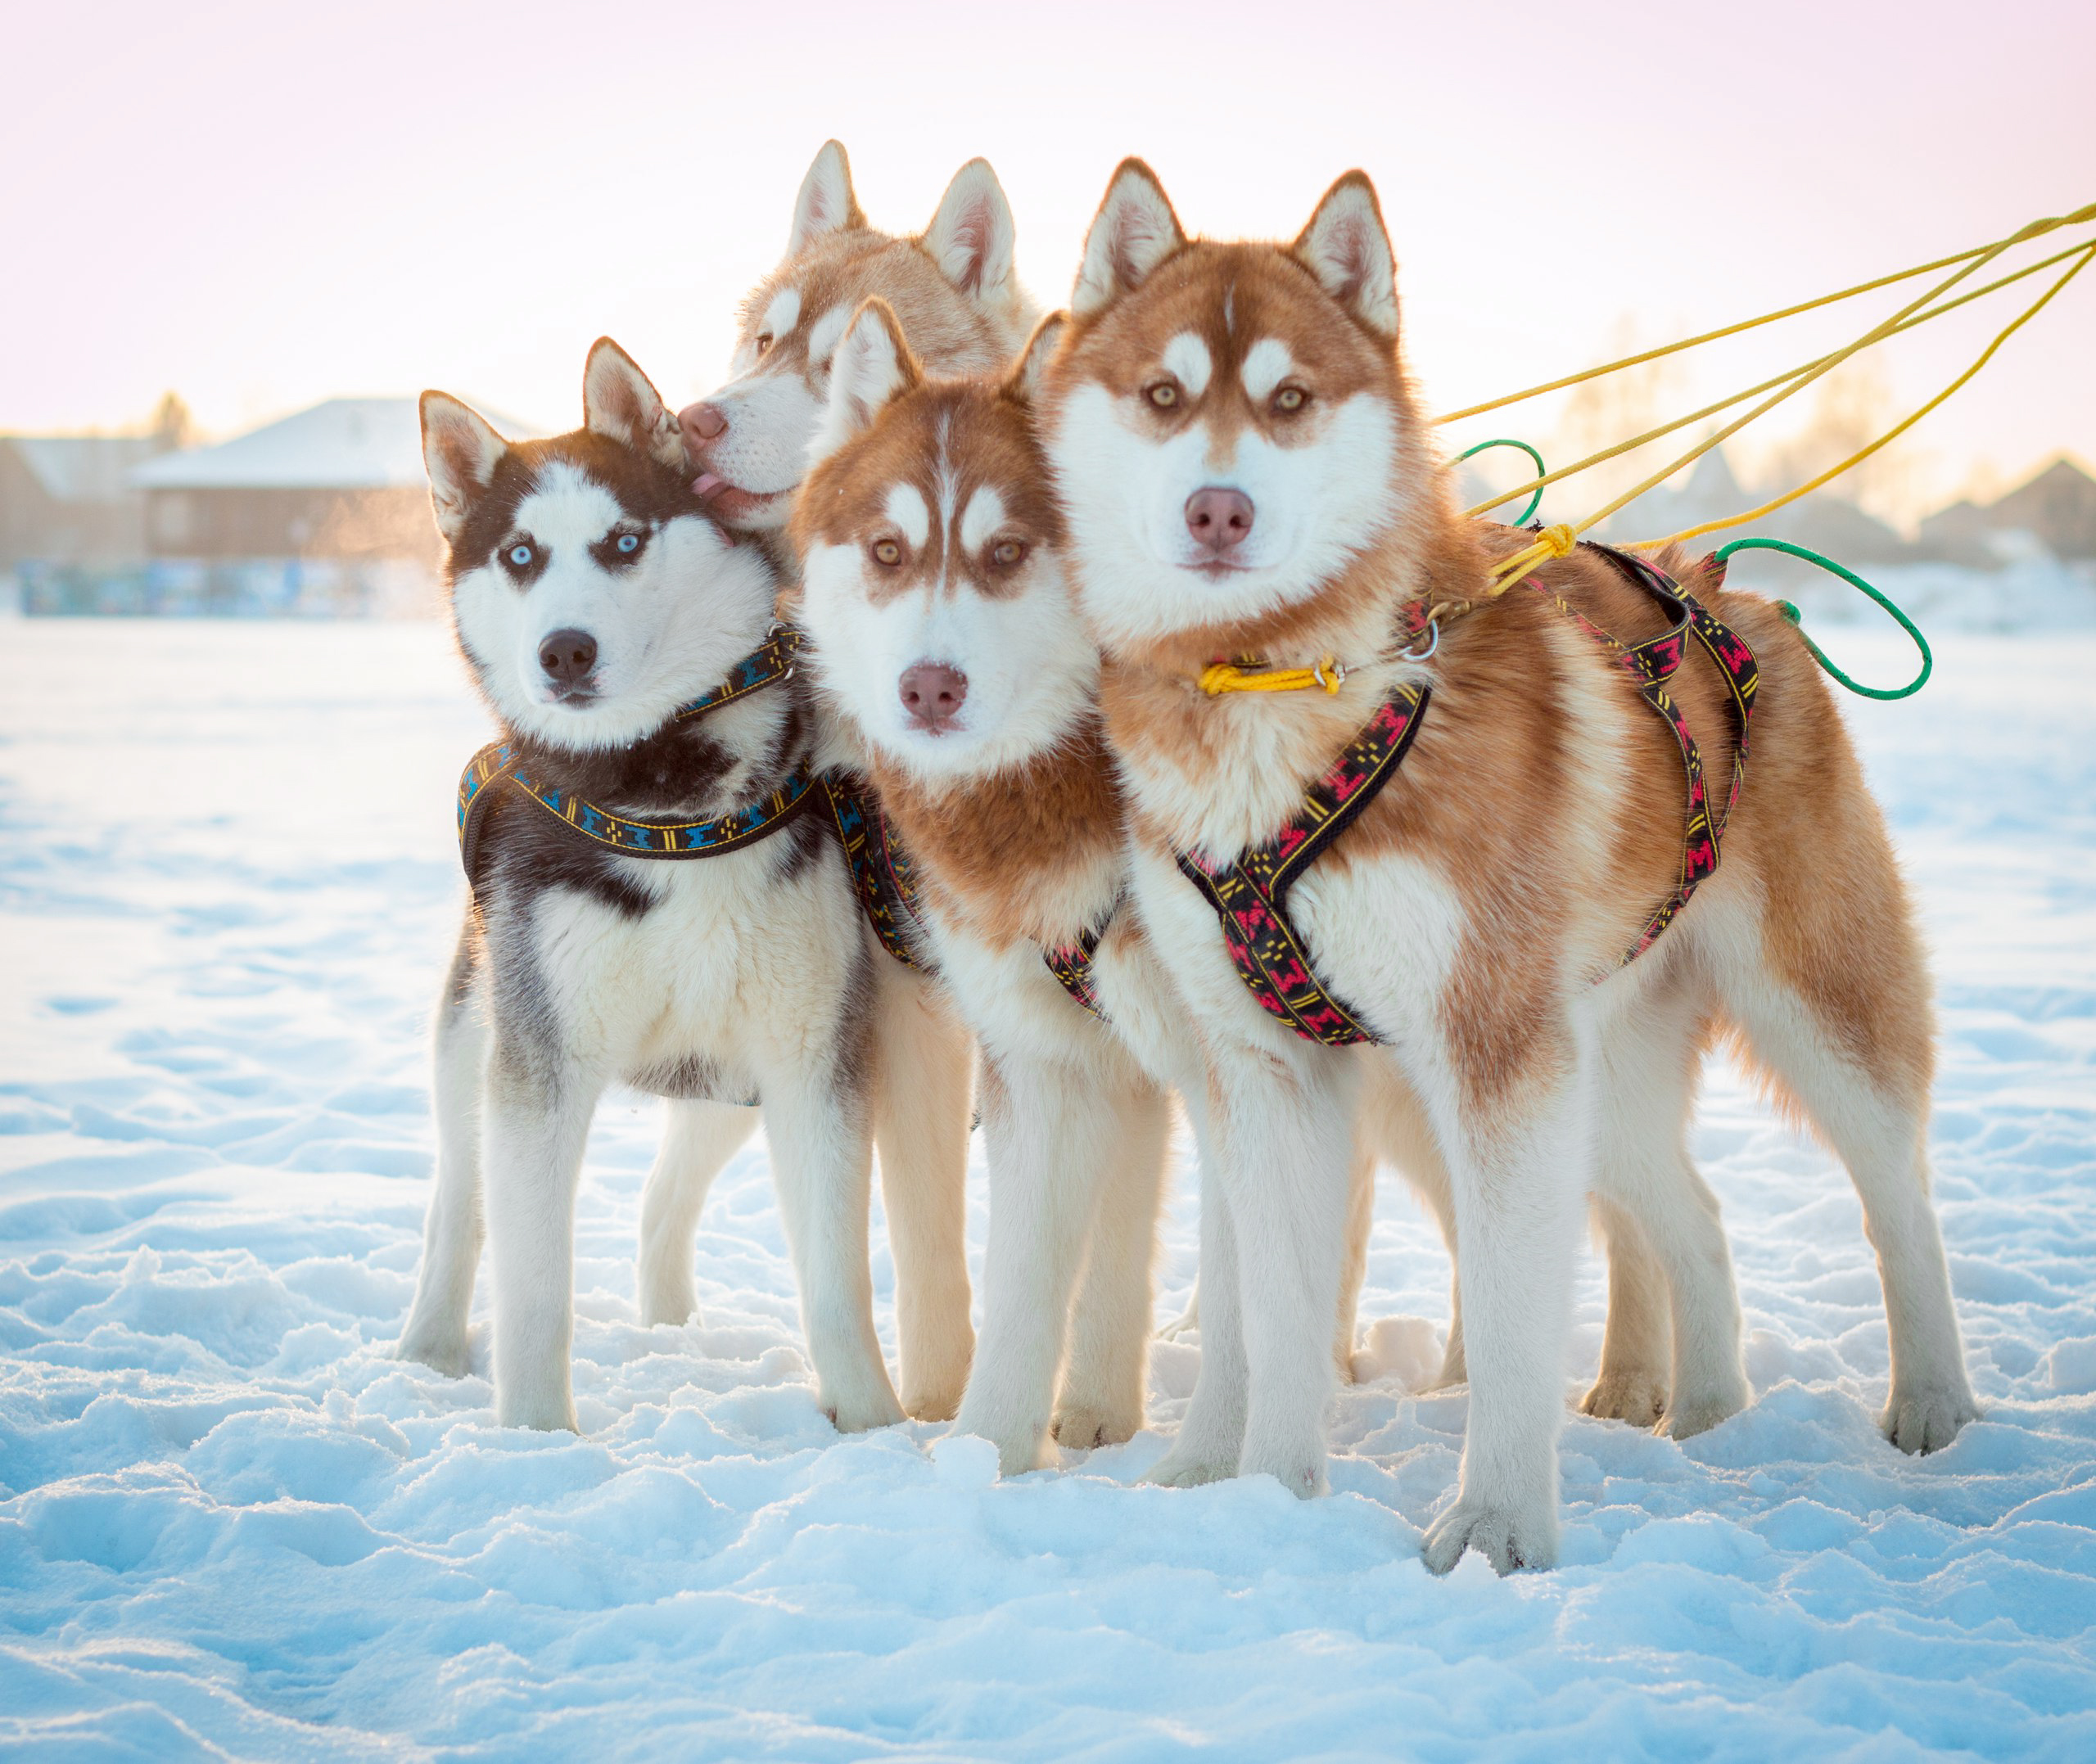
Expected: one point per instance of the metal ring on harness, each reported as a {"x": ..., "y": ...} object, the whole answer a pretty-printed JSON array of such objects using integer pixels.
[{"x": 1432, "y": 643}]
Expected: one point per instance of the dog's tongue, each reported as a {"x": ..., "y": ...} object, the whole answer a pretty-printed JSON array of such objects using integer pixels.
[{"x": 706, "y": 486}]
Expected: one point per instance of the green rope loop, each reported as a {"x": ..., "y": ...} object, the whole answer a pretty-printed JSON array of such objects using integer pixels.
[
  {"x": 1819, "y": 655},
  {"x": 1535, "y": 502}
]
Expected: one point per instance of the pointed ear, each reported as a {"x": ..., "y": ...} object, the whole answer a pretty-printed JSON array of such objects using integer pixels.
[
  {"x": 1134, "y": 232},
  {"x": 872, "y": 365},
  {"x": 620, "y": 403},
  {"x": 1023, "y": 383},
  {"x": 972, "y": 236},
  {"x": 461, "y": 452},
  {"x": 825, "y": 203},
  {"x": 1348, "y": 249}
]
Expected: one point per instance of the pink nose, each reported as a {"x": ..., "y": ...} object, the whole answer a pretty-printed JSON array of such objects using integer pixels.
[
  {"x": 702, "y": 422},
  {"x": 1218, "y": 519},
  {"x": 932, "y": 693}
]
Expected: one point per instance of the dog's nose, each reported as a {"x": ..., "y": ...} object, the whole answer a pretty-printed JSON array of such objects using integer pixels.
[
  {"x": 932, "y": 693},
  {"x": 1218, "y": 518},
  {"x": 568, "y": 656},
  {"x": 702, "y": 422}
]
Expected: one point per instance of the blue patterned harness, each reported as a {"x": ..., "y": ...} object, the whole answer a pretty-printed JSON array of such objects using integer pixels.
[{"x": 500, "y": 762}]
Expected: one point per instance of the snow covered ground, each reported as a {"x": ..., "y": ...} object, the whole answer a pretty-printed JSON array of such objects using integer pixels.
[{"x": 230, "y": 1525}]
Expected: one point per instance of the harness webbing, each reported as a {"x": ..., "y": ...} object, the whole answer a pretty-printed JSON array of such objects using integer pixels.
[
  {"x": 1249, "y": 894},
  {"x": 1649, "y": 665},
  {"x": 498, "y": 762},
  {"x": 631, "y": 836},
  {"x": 885, "y": 880},
  {"x": 882, "y": 875},
  {"x": 771, "y": 660},
  {"x": 1071, "y": 964}
]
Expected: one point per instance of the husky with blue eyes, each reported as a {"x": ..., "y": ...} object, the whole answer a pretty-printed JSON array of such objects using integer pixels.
[{"x": 655, "y": 902}]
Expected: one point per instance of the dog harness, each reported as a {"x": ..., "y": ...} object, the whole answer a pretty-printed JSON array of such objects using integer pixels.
[
  {"x": 501, "y": 764},
  {"x": 885, "y": 882},
  {"x": 882, "y": 875},
  {"x": 1249, "y": 894}
]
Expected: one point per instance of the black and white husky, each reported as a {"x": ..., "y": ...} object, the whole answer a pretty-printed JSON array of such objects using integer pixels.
[{"x": 593, "y": 600}]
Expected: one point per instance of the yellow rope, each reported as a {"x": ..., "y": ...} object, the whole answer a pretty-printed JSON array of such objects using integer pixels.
[
  {"x": 1558, "y": 540},
  {"x": 1984, "y": 253},
  {"x": 1511, "y": 570},
  {"x": 1726, "y": 403},
  {"x": 1221, "y": 677},
  {"x": 1892, "y": 434}
]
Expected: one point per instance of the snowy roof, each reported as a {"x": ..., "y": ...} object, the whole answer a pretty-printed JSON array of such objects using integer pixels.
[
  {"x": 84, "y": 468},
  {"x": 346, "y": 444}
]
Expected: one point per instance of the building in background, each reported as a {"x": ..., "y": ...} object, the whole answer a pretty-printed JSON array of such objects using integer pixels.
[
  {"x": 67, "y": 499},
  {"x": 322, "y": 513}
]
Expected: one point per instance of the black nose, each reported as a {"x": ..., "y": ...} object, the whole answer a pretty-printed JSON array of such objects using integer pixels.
[{"x": 568, "y": 656}]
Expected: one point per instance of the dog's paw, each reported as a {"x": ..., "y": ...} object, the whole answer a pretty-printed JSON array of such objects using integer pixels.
[
  {"x": 1638, "y": 1395},
  {"x": 1190, "y": 1469},
  {"x": 1082, "y": 1426},
  {"x": 1691, "y": 1412},
  {"x": 1021, "y": 1441},
  {"x": 930, "y": 1406},
  {"x": 1927, "y": 1420},
  {"x": 1508, "y": 1539},
  {"x": 862, "y": 1413},
  {"x": 1300, "y": 1469},
  {"x": 1184, "y": 1327},
  {"x": 445, "y": 1351},
  {"x": 548, "y": 1411},
  {"x": 668, "y": 1308}
]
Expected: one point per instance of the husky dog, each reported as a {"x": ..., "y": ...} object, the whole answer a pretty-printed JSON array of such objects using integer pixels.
[
  {"x": 593, "y": 601},
  {"x": 940, "y": 628},
  {"x": 746, "y": 444},
  {"x": 952, "y": 284},
  {"x": 1245, "y": 472},
  {"x": 943, "y": 630}
]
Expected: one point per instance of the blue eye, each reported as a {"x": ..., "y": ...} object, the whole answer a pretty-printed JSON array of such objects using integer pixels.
[
  {"x": 521, "y": 556},
  {"x": 628, "y": 541}
]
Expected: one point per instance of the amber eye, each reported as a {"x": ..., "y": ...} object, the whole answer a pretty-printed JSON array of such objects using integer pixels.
[
  {"x": 1290, "y": 397},
  {"x": 887, "y": 553},
  {"x": 1008, "y": 553},
  {"x": 763, "y": 342},
  {"x": 1164, "y": 394}
]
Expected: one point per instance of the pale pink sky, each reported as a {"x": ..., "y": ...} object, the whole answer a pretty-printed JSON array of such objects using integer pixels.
[{"x": 263, "y": 205}]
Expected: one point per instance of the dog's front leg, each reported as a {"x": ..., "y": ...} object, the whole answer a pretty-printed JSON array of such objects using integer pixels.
[
  {"x": 1284, "y": 1133},
  {"x": 923, "y": 1103},
  {"x": 537, "y": 1124},
  {"x": 1106, "y": 1382},
  {"x": 822, "y": 1158},
  {"x": 435, "y": 1331},
  {"x": 1519, "y": 1175},
  {"x": 1050, "y": 1140},
  {"x": 1213, "y": 1433}
]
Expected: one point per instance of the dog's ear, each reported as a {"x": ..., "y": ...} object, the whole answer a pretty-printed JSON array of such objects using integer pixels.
[
  {"x": 1133, "y": 233},
  {"x": 972, "y": 236},
  {"x": 872, "y": 365},
  {"x": 461, "y": 451},
  {"x": 825, "y": 203},
  {"x": 1023, "y": 383},
  {"x": 620, "y": 403},
  {"x": 1347, "y": 247}
]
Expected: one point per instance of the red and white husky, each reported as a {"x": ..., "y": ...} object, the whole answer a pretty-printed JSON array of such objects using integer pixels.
[
  {"x": 1245, "y": 472},
  {"x": 953, "y": 286},
  {"x": 746, "y": 444},
  {"x": 940, "y": 628},
  {"x": 943, "y": 631}
]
